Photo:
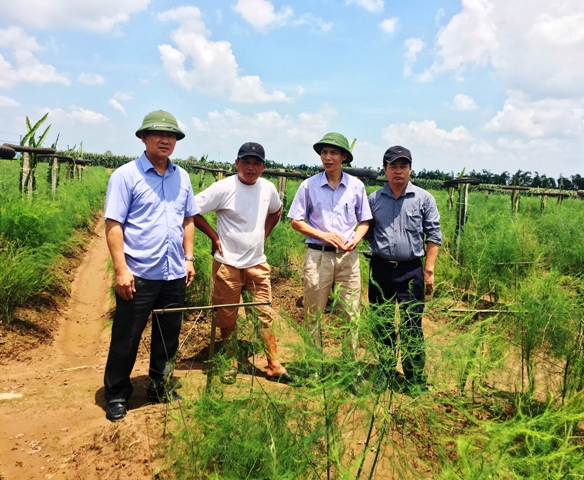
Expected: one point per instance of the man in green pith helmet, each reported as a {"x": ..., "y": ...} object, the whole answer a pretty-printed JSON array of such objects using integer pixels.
[
  {"x": 150, "y": 231},
  {"x": 327, "y": 208}
]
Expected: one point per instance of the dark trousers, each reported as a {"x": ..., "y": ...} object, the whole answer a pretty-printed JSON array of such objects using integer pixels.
[
  {"x": 406, "y": 284},
  {"x": 129, "y": 322}
]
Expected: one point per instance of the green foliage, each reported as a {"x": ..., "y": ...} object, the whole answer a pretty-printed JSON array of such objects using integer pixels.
[
  {"x": 35, "y": 231},
  {"x": 23, "y": 273}
]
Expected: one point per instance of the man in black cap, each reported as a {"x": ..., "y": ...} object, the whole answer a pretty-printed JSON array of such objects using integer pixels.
[
  {"x": 247, "y": 208},
  {"x": 405, "y": 218}
]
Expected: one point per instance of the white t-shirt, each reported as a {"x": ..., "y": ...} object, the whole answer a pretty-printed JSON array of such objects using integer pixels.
[{"x": 241, "y": 218}]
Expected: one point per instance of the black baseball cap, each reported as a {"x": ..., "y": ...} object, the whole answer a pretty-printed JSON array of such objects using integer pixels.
[
  {"x": 393, "y": 153},
  {"x": 253, "y": 149}
]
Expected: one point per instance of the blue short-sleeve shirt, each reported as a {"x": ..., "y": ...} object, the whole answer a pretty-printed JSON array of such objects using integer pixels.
[{"x": 151, "y": 209}]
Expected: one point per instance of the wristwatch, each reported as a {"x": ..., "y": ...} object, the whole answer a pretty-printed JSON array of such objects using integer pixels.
[{"x": 189, "y": 259}]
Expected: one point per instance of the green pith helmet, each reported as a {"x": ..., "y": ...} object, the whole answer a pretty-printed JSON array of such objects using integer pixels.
[
  {"x": 161, "y": 121},
  {"x": 336, "y": 140}
]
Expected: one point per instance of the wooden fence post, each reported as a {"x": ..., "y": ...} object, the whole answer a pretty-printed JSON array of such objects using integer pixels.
[
  {"x": 282, "y": 182},
  {"x": 515, "y": 195},
  {"x": 463, "y": 184}
]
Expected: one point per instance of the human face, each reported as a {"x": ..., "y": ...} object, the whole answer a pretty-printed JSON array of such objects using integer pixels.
[
  {"x": 398, "y": 173},
  {"x": 159, "y": 145},
  {"x": 249, "y": 169},
  {"x": 332, "y": 158}
]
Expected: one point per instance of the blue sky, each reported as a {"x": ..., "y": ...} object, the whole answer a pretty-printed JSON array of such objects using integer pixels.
[{"x": 494, "y": 84}]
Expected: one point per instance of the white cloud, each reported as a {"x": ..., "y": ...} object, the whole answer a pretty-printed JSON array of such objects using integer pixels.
[
  {"x": 537, "y": 49},
  {"x": 261, "y": 13},
  {"x": 123, "y": 96},
  {"x": 463, "y": 102},
  {"x": 314, "y": 22},
  {"x": 91, "y": 79},
  {"x": 549, "y": 118},
  {"x": 117, "y": 105},
  {"x": 94, "y": 16},
  {"x": 413, "y": 47},
  {"x": 439, "y": 16},
  {"x": 566, "y": 30},
  {"x": 8, "y": 102},
  {"x": 214, "y": 67},
  {"x": 25, "y": 67},
  {"x": 469, "y": 37},
  {"x": 388, "y": 25},
  {"x": 373, "y": 6},
  {"x": 287, "y": 139},
  {"x": 75, "y": 114},
  {"x": 300, "y": 90},
  {"x": 426, "y": 134}
]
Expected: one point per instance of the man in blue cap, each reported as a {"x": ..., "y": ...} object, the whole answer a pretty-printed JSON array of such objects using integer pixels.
[{"x": 150, "y": 230}]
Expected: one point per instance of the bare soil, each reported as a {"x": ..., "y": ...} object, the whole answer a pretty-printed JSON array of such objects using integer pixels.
[
  {"x": 51, "y": 388},
  {"x": 53, "y": 356}
]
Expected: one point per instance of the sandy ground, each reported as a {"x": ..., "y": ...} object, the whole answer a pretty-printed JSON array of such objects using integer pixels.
[{"x": 52, "y": 407}]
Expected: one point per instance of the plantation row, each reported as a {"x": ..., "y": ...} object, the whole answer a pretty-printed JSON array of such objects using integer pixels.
[{"x": 504, "y": 333}]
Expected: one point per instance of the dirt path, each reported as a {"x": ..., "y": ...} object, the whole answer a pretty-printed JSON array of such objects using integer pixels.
[{"x": 52, "y": 408}]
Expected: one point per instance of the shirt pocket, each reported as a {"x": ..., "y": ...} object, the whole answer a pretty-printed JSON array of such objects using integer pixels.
[{"x": 413, "y": 220}]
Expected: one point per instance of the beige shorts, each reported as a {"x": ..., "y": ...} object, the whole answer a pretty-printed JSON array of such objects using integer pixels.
[{"x": 228, "y": 284}]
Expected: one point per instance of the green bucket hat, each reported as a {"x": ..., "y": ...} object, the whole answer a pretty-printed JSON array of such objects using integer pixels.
[
  {"x": 161, "y": 121},
  {"x": 336, "y": 140}
]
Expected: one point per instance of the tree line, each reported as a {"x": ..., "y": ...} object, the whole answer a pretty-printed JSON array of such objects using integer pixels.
[{"x": 520, "y": 178}]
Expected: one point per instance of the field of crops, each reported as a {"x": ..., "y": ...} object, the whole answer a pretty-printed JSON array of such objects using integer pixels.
[{"x": 504, "y": 333}]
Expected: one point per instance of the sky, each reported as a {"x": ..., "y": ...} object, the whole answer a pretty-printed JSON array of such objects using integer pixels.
[{"x": 473, "y": 84}]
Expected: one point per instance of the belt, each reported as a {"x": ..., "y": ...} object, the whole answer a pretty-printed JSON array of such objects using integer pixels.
[
  {"x": 397, "y": 263},
  {"x": 324, "y": 248}
]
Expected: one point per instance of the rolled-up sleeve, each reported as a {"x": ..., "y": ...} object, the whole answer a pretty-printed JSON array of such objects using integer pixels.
[{"x": 431, "y": 222}]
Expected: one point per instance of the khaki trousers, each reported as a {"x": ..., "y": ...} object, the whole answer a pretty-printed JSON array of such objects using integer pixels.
[{"x": 321, "y": 272}]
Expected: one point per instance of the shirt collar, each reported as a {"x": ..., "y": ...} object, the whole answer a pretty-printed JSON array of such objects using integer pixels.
[
  {"x": 146, "y": 165},
  {"x": 387, "y": 191},
  {"x": 344, "y": 179}
]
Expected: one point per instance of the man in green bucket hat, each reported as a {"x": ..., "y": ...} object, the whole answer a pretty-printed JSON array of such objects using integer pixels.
[
  {"x": 327, "y": 208},
  {"x": 149, "y": 215}
]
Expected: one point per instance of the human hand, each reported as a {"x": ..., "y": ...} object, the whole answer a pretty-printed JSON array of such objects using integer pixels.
[
  {"x": 350, "y": 245},
  {"x": 125, "y": 284},
  {"x": 190, "y": 272},
  {"x": 333, "y": 238},
  {"x": 429, "y": 281},
  {"x": 216, "y": 246}
]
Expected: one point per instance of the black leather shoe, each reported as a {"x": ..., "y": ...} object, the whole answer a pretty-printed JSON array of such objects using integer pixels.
[
  {"x": 161, "y": 396},
  {"x": 115, "y": 411}
]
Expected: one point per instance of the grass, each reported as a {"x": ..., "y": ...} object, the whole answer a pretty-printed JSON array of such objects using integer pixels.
[
  {"x": 506, "y": 397},
  {"x": 35, "y": 232},
  {"x": 504, "y": 340}
]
